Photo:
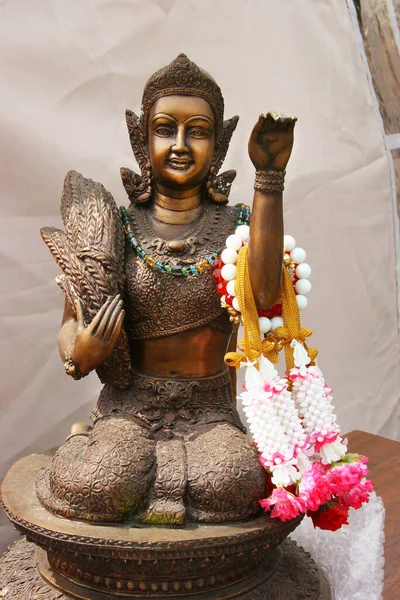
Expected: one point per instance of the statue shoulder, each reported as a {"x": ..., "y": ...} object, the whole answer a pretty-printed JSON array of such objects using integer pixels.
[{"x": 238, "y": 213}]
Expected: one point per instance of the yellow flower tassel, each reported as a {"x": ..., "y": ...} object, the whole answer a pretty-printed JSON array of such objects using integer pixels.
[
  {"x": 292, "y": 329},
  {"x": 252, "y": 346}
]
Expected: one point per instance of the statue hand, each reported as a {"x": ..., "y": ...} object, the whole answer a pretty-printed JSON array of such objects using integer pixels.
[
  {"x": 95, "y": 343},
  {"x": 271, "y": 141}
]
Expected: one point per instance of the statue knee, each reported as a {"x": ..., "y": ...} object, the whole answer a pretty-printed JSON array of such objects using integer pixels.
[
  {"x": 225, "y": 478},
  {"x": 104, "y": 476}
]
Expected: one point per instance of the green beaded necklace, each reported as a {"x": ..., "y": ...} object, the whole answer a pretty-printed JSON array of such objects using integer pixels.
[{"x": 204, "y": 265}]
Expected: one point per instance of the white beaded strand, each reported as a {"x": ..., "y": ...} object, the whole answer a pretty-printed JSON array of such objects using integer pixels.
[{"x": 300, "y": 269}]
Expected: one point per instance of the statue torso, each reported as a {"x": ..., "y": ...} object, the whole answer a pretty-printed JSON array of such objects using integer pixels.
[{"x": 160, "y": 304}]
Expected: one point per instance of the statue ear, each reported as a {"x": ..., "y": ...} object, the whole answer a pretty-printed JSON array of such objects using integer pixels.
[
  {"x": 222, "y": 146},
  {"x": 138, "y": 187}
]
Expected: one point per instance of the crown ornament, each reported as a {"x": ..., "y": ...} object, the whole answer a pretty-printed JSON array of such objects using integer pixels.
[{"x": 182, "y": 76}]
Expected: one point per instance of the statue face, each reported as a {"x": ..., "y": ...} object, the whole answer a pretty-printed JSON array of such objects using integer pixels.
[{"x": 181, "y": 140}]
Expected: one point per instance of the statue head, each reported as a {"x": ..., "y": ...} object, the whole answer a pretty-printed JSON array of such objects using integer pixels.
[{"x": 181, "y": 80}]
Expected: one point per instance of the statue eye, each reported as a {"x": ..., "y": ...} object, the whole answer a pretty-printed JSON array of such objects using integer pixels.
[
  {"x": 198, "y": 132},
  {"x": 164, "y": 131}
]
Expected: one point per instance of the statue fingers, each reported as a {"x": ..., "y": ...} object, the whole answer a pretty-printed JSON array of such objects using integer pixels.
[
  {"x": 291, "y": 123},
  {"x": 278, "y": 121},
  {"x": 112, "y": 321},
  {"x": 279, "y": 117},
  {"x": 99, "y": 315},
  {"x": 79, "y": 313},
  {"x": 257, "y": 129},
  {"x": 270, "y": 121},
  {"x": 117, "y": 327},
  {"x": 105, "y": 313},
  {"x": 287, "y": 123}
]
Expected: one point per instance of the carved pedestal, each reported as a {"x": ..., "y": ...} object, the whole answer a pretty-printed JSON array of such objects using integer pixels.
[{"x": 99, "y": 562}]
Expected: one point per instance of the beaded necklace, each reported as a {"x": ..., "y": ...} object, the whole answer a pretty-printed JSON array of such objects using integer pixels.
[{"x": 185, "y": 269}]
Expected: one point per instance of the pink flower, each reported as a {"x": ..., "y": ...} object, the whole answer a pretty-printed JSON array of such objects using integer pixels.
[
  {"x": 272, "y": 387},
  {"x": 357, "y": 495},
  {"x": 346, "y": 476},
  {"x": 314, "y": 488},
  {"x": 348, "y": 482},
  {"x": 285, "y": 505},
  {"x": 329, "y": 438}
]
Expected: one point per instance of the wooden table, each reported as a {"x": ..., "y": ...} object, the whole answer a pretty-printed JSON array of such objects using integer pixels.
[{"x": 384, "y": 466}]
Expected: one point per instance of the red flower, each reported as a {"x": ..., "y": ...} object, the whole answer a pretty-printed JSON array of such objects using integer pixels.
[
  {"x": 330, "y": 516},
  {"x": 275, "y": 311},
  {"x": 218, "y": 263},
  {"x": 217, "y": 275},
  {"x": 229, "y": 299}
]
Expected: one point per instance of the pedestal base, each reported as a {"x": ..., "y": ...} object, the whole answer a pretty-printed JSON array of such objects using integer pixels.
[
  {"x": 297, "y": 578},
  {"x": 89, "y": 561}
]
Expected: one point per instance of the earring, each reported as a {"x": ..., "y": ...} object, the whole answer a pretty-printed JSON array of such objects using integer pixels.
[
  {"x": 139, "y": 188},
  {"x": 219, "y": 187},
  {"x": 145, "y": 189}
]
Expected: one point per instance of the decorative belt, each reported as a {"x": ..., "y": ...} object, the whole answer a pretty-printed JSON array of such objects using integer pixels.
[{"x": 172, "y": 403}]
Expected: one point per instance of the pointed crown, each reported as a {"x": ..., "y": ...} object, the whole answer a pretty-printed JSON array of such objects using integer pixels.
[{"x": 182, "y": 76}]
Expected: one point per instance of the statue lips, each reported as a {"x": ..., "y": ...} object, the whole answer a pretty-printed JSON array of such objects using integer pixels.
[{"x": 181, "y": 164}]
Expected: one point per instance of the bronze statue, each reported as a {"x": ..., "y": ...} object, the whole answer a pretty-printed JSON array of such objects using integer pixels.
[
  {"x": 167, "y": 442},
  {"x": 142, "y": 309}
]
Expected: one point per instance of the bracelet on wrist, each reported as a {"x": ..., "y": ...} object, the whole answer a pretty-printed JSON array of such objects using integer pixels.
[{"x": 269, "y": 181}]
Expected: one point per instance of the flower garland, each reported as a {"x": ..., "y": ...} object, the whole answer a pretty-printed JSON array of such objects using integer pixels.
[
  {"x": 291, "y": 419},
  {"x": 225, "y": 275}
]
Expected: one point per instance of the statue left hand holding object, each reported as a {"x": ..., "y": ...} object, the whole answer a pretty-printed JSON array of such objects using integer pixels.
[{"x": 84, "y": 348}]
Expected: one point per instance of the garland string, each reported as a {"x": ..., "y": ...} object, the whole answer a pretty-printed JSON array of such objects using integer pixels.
[
  {"x": 292, "y": 329},
  {"x": 252, "y": 345}
]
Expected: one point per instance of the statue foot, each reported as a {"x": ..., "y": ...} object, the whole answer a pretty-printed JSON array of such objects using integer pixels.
[
  {"x": 166, "y": 500},
  {"x": 164, "y": 512},
  {"x": 79, "y": 429}
]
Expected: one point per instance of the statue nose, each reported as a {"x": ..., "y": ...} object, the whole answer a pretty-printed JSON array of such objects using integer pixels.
[{"x": 180, "y": 141}]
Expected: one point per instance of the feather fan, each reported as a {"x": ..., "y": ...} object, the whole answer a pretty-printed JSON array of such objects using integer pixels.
[{"x": 91, "y": 255}]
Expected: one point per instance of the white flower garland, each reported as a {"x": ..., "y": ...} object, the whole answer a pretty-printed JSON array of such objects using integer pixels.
[
  {"x": 313, "y": 399},
  {"x": 274, "y": 422},
  {"x": 292, "y": 429}
]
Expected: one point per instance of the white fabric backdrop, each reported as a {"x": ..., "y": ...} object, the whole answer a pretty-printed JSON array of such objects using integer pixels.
[{"x": 69, "y": 70}]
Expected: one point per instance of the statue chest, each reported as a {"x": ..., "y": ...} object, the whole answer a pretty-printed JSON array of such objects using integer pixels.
[{"x": 160, "y": 304}]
